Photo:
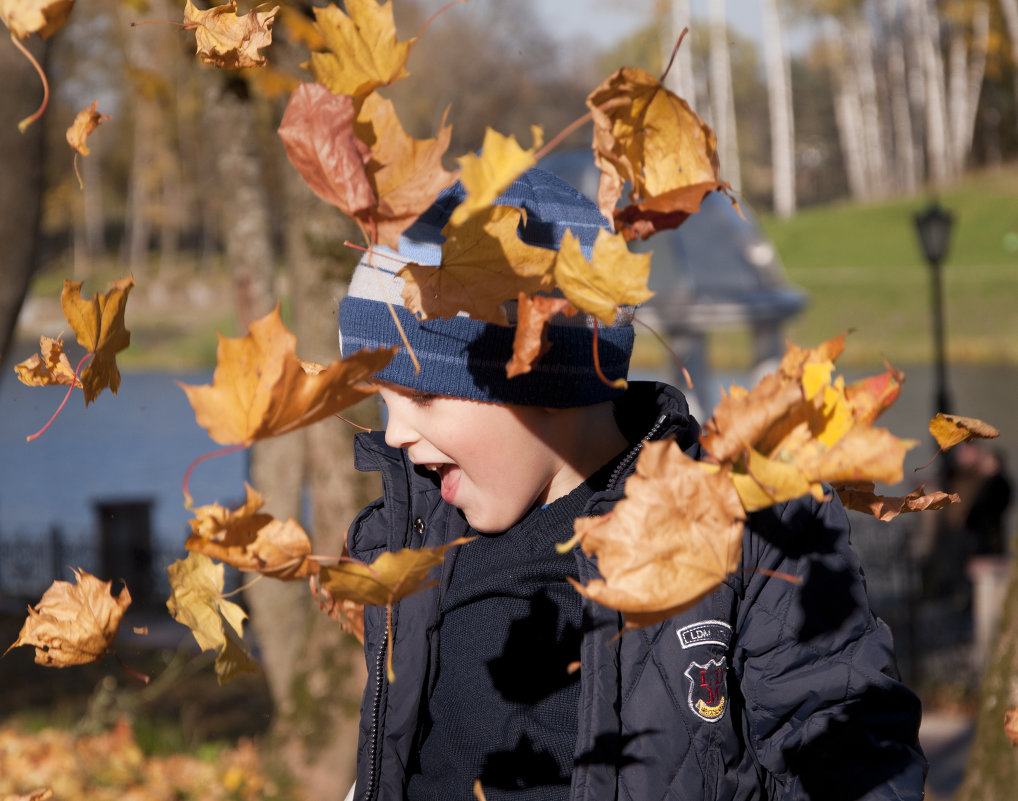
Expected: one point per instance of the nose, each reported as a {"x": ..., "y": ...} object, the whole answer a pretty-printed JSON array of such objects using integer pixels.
[{"x": 399, "y": 433}]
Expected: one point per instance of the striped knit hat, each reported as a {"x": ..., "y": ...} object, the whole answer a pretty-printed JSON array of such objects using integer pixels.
[{"x": 462, "y": 357}]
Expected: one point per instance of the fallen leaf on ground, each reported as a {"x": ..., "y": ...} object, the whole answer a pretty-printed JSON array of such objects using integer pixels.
[
  {"x": 49, "y": 367},
  {"x": 229, "y": 41},
  {"x": 99, "y": 326},
  {"x": 672, "y": 539},
  {"x": 951, "y": 429},
  {"x": 74, "y": 624},
  {"x": 260, "y": 388}
]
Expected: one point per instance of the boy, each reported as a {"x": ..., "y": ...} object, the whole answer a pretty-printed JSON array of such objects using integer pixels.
[{"x": 764, "y": 689}]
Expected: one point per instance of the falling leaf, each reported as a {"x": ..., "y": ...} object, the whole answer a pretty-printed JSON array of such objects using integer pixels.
[
  {"x": 42, "y": 794},
  {"x": 74, "y": 624},
  {"x": 317, "y": 132},
  {"x": 484, "y": 264},
  {"x": 25, "y": 17},
  {"x": 249, "y": 540},
  {"x": 613, "y": 277},
  {"x": 1011, "y": 725},
  {"x": 486, "y": 176},
  {"x": 863, "y": 498},
  {"x": 99, "y": 326},
  {"x": 530, "y": 341},
  {"x": 196, "y": 600},
  {"x": 364, "y": 52},
  {"x": 648, "y": 136},
  {"x": 672, "y": 539},
  {"x": 229, "y": 41},
  {"x": 950, "y": 430},
  {"x": 49, "y": 367},
  {"x": 406, "y": 174},
  {"x": 86, "y": 121},
  {"x": 869, "y": 397},
  {"x": 260, "y": 388}
]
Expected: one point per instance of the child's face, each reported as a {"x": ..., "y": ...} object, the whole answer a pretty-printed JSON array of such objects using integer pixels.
[{"x": 494, "y": 462}]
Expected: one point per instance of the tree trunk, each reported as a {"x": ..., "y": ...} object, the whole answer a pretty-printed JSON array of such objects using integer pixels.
[
  {"x": 971, "y": 69},
  {"x": 780, "y": 105},
  {"x": 992, "y": 770},
  {"x": 1009, "y": 8},
  {"x": 22, "y": 184},
  {"x": 722, "y": 96},
  {"x": 871, "y": 124},
  {"x": 906, "y": 168},
  {"x": 914, "y": 13},
  {"x": 937, "y": 142},
  {"x": 847, "y": 118}
]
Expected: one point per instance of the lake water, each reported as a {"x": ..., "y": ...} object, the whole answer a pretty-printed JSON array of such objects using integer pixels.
[{"x": 138, "y": 444}]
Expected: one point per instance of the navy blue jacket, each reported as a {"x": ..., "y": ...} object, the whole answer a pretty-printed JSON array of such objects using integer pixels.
[{"x": 765, "y": 689}]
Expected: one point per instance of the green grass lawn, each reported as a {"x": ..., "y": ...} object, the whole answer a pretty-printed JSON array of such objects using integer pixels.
[{"x": 864, "y": 270}]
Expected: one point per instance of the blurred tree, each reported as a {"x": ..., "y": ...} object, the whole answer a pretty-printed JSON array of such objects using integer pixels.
[{"x": 779, "y": 97}]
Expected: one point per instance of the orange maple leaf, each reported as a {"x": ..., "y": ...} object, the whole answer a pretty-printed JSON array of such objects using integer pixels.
[
  {"x": 229, "y": 41},
  {"x": 484, "y": 264},
  {"x": 951, "y": 429},
  {"x": 86, "y": 121},
  {"x": 49, "y": 367},
  {"x": 364, "y": 52},
  {"x": 406, "y": 174},
  {"x": 74, "y": 624},
  {"x": 99, "y": 326},
  {"x": 672, "y": 539},
  {"x": 530, "y": 342},
  {"x": 650, "y": 137},
  {"x": 613, "y": 277},
  {"x": 253, "y": 541},
  {"x": 392, "y": 576},
  {"x": 261, "y": 389},
  {"x": 317, "y": 132},
  {"x": 485, "y": 176}
]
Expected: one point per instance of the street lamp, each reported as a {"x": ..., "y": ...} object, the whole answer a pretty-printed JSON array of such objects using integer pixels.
[{"x": 934, "y": 228}]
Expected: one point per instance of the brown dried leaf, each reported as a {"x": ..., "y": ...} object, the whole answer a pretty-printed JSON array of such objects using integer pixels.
[
  {"x": 229, "y": 41},
  {"x": 530, "y": 341},
  {"x": 86, "y": 121},
  {"x": 484, "y": 264},
  {"x": 951, "y": 429},
  {"x": 1011, "y": 725},
  {"x": 74, "y": 624},
  {"x": 99, "y": 326},
  {"x": 672, "y": 539},
  {"x": 863, "y": 498},
  {"x": 49, "y": 367},
  {"x": 25, "y": 17},
  {"x": 260, "y": 389}
]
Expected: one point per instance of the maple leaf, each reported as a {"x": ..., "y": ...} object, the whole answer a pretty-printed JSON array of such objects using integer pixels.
[
  {"x": 229, "y": 41},
  {"x": 261, "y": 389},
  {"x": 863, "y": 498},
  {"x": 317, "y": 132},
  {"x": 530, "y": 342},
  {"x": 99, "y": 326},
  {"x": 249, "y": 540},
  {"x": 484, "y": 177},
  {"x": 613, "y": 277},
  {"x": 405, "y": 174},
  {"x": 25, "y": 17},
  {"x": 672, "y": 539},
  {"x": 484, "y": 264},
  {"x": 392, "y": 576},
  {"x": 951, "y": 429},
  {"x": 49, "y": 367},
  {"x": 196, "y": 600},
  {"x": 650, "y": 137},
  {"x": 74, "y": 624},
  {"x": 364, "y": 52},
  {"x": 86, "y": 121}
]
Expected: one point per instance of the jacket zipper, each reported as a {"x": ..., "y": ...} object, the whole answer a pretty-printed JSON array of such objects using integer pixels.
[
  {"x": 622, "y": 466},
  {"x": 376, "y": 710}
]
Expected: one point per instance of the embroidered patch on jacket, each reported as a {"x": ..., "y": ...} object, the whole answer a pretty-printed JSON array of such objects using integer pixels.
[
  {"x": 708, "y": 687},
  {"x": 706, "y": 632}
]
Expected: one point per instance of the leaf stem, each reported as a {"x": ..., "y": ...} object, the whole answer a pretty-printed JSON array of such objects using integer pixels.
[
  {"x": 556, "y": 140},
  {"x": 188, "y": 500},
  {"x": 675, "y": 51},
  {"x": 45, "y": 85},
  {"x": 70, "y": 389},
  {"x": 258, "y": 577},
  {"x": 672, "y": 353}
]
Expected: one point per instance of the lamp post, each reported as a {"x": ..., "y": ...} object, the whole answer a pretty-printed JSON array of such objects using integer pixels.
[{"x": 934, "y": 228}]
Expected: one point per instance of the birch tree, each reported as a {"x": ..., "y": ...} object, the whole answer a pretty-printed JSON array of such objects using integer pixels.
[
  {"x": 722, "y": 97},
  {"x": 779, "y": 98}
]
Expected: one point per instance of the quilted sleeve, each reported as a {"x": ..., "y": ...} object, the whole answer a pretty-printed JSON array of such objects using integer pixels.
[{"x": 825, "y": 711}]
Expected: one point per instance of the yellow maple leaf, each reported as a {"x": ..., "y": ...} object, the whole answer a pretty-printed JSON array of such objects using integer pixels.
[
  {"x": 44, "y": 17},
  {"x": 99, "y": 326},
  {"x": 484, "y": 264},
  {"x": 363, "y": 51},
  {"x": 49, "y": 367},
  {"x": 74, "y": 624},
  {"x": 486, "y": 176},
  {"x": 261, "y": 389},
  {"x": 227, "y": 40},
  {"x": 613, "y": 277},
  {"x": 952, "y": 429}
]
